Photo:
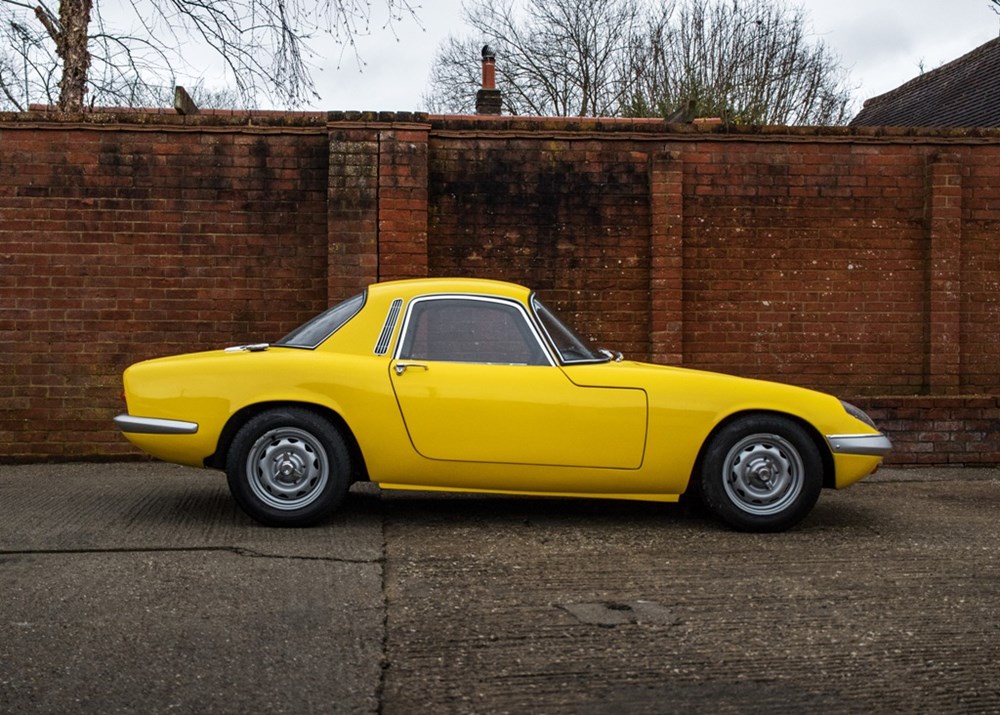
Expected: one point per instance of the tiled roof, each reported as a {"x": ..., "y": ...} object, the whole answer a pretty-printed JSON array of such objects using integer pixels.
[{"x": 962, "y": 93}]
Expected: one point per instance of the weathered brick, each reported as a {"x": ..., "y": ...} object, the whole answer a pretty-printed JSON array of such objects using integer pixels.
[{"x": 862, "y": 267}]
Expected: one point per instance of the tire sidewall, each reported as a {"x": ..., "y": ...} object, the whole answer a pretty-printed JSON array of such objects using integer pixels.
[
  {"x": 338, "y": 479},
  {"x": 712, "y": 478}
]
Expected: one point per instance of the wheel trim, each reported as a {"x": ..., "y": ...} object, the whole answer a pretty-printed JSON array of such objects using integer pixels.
[
  {"x": 287, "y": 468},
  {"x": 763, "y": 474}
]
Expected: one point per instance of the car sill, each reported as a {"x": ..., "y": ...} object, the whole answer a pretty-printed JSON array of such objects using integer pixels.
[
  {"x": 154, "y": 425},
  {"x": 870, "y": 445}
]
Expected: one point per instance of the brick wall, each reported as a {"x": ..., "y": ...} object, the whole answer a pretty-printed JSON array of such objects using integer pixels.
[
  {"x": 939, "y": 430},
  {"x": 805, "y": 261},
  {"x": 119, "y": 244},
  {"x": 865, "y": 264},
  {"x": 567, "y": 217}
]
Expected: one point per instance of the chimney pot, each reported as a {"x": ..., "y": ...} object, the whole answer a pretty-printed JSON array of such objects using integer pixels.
[
  {"x": 489, "y": 68},
  {"x": 488, "y": 100}
]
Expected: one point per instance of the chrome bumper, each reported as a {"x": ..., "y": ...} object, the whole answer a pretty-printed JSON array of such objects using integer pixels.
[
  {"x": 868, "y": 445},
  {"x": 154, "y": 425}
]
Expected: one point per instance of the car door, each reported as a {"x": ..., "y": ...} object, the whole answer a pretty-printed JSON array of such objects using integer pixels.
[{"x": 475, "y": 383}]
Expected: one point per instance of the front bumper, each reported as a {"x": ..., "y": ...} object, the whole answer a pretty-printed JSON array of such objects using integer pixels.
[
  {"x": 154, "y": 425},
  {"x": 866, "y": 445}
]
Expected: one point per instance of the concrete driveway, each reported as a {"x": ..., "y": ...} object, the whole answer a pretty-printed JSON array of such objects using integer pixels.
[{"x": 140, "y": 587}]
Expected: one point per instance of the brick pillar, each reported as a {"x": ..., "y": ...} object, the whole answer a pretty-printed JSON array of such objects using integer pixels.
[
  {"x": 402, "y": 202},
  {"x": 352, "y": 208},
  {"x": 666, "y": 182},
  {"x": 944, "y": 274}
]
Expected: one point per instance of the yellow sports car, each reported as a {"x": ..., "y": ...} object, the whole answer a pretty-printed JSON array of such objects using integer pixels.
[{"x": 475, "y": 386}]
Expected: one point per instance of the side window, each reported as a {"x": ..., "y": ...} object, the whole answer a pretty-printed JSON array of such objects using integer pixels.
[{"x": 470, "y": 330}]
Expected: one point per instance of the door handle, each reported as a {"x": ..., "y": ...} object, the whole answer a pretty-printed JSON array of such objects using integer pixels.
[{"x": 401, "y": 367}]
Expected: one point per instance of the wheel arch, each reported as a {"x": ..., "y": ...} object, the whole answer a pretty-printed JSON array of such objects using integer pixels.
[
  {"x": 829, "y": 469},
  {"x": 236, "y": 422}
]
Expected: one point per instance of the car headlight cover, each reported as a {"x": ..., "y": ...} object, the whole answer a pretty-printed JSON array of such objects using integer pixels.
[{"x": 858, "y": 414}]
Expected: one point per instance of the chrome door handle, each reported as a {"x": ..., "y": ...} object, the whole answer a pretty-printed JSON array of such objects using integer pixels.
[{"x": 401, "y": 367}]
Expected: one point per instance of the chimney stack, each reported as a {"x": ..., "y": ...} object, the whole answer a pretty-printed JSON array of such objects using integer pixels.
[{"x": 488, "y": 100}]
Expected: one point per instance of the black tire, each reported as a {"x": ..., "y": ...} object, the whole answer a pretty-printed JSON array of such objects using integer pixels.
[
  {"x": 761, "y": 473},
  {"x": 288, "y": 467}
]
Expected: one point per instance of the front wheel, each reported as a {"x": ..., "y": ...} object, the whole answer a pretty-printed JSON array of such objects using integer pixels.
[
  {"x": 761, "y": 473},
  {"x": 288, "y": 467}
]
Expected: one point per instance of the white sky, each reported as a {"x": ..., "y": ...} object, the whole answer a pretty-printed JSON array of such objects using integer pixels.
[{"x": 882, "y": 43}]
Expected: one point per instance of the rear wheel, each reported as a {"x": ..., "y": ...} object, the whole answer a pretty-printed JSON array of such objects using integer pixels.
[
  {"x": 761, "y": 473},
  {"x": 288, "y": 467}
]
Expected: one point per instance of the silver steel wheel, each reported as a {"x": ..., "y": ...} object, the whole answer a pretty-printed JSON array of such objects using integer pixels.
[
  {"x": 763, "y": 474},
  {"x": 287, "y": 468}
]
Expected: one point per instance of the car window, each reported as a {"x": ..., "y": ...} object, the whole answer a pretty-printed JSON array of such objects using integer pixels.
[
  {"x": 476, "y": 330},
  {"x": 315, "y": 331}
]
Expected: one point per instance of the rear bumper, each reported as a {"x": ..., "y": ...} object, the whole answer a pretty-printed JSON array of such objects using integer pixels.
[
  {"x": 154, "y": 425},
  {"x": 867, "y": 445}
]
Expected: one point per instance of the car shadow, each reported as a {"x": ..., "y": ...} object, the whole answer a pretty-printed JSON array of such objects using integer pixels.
[
  {"x": 432, "y": 509},
  {"x": 212, "y": 504},
  {"x": 456, "y": 508}
]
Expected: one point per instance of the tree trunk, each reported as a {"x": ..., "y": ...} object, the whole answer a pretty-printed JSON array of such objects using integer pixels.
[{"x": 70, "y": 34}]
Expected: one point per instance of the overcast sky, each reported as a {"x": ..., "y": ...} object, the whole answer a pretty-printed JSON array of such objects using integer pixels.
[{"x": 881, "y": 42}]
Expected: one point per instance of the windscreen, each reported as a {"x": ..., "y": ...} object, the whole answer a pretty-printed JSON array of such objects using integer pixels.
[{"x": 570, "y": 346}]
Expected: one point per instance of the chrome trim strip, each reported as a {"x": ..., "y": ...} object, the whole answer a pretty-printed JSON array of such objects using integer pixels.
[
  {"x": 870, "y": 445},
  {"x": 154, "y": 425}
]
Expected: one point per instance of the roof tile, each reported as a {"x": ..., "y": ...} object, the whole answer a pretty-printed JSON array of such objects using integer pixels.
[{"x": 963, "y": 93}]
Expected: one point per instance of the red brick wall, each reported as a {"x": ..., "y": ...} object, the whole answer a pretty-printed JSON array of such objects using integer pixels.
[
  {"x": 569, "y": 218},
  {"x": 865, "y": 266},
  {"x": 803, "y": 261},
  {"x": 119, "y": 245},
  {"x": 844, "y": 263},
  {"x": 978, "y": 270},
  {"x": 939, "y": 430},
  {"x": 862, "y": 264}
]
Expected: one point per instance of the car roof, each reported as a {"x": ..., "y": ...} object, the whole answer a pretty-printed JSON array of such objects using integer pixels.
[{"x": 414, "y": 287}]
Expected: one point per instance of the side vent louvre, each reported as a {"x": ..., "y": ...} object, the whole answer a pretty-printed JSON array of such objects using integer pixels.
[{"x": 382, "y": 346}]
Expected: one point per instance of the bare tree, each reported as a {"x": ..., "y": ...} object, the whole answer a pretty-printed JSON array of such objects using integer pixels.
[
  {"x": 28, "y": 66},
  {"x": 749, "y": 61},
  {"x": 558, "y": 57},
  {"x": 78, "y": 57}
]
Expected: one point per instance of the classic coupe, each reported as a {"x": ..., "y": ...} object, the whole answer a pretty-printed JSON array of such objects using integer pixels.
[{"x": 476, "y": 386}]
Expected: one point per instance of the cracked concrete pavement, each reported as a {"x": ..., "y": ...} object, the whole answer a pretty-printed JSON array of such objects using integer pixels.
[
  {"x": 140, "y": 587},
  {"x": 143, "y": 588}
]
